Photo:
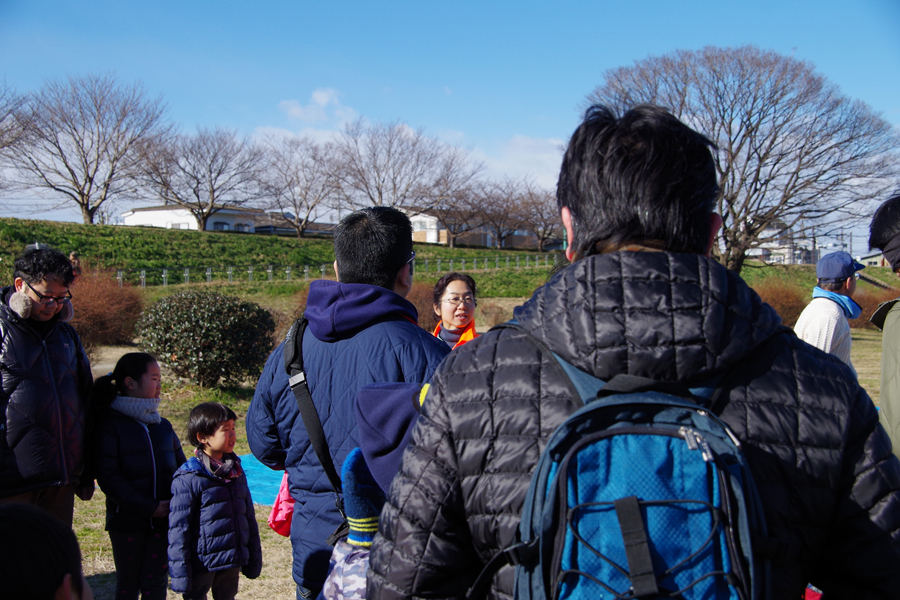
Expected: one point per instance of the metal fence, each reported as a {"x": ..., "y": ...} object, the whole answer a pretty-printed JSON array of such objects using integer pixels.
[{"x": 281, "y": 273}]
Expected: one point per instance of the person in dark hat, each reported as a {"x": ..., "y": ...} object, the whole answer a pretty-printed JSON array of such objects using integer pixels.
[
  {"x": 884, "y": 235},
  {"x": 824, "y": 323}
]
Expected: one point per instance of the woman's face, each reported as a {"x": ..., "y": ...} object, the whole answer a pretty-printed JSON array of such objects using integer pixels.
[{"x": 457, "y": 307}]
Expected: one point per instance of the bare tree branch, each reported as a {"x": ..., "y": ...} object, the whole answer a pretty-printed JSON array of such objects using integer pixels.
[
  {"x": 205, "y": 172},
  {"x": 81, "y": 140},
  {"x": 793, "y": 153},
  {"x": 393, "y": 165},
  {"x": 501, "y": 205},
  {"x": 539, "y": 214},
  {"x": 298, "y": 178}
]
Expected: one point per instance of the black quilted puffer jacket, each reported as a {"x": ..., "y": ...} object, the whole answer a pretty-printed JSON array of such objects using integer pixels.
[
  {"x": 823, "y": 465},
  {"x": 44, "y": 382}
]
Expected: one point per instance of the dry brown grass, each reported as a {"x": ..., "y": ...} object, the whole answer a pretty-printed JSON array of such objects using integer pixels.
[{"x": 275, "y": 581}]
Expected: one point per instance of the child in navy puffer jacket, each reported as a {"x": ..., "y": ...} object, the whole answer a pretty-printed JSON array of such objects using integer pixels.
[
  {"x": 213, "y": 535},
  {"x": 135, "y": 455}
]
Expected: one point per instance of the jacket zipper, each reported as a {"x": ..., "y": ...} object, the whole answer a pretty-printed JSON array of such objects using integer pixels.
[
  {"x": 152, "y": 465},
  {"x": 62, "y": 452}
]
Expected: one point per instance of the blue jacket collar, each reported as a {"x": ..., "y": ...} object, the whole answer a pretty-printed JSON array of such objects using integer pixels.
[{"x": 851, "y": 309}]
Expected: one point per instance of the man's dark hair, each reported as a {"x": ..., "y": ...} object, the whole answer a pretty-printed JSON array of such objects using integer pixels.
[
  {"x": 36, "y": 551},
  {"x": 372, "y": 245},
  {"x": 831, "y": 285},
  {"x": 644, "y": 178},
  {"x": 205, "y": 419},
  {"x": 35, "y": 264},
  {"x": 885, "y": 224}
]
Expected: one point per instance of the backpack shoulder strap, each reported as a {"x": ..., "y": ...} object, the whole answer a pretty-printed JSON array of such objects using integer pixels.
[{"x": 293, "y": 364}]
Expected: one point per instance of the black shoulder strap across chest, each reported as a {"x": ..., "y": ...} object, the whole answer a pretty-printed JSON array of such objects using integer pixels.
[{"x": 293, "y": 364}]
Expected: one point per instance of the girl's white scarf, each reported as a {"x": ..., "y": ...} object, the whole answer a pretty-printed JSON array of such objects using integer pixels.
[{"x": 143, "y": 410}]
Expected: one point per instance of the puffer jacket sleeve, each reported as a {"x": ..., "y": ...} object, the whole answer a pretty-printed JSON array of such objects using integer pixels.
[
  {"x": 423, "y": 541},
  {"x": 254, "y": 566},
  {"x": 267, "y": 434},
  {"x": 864, "y": 555},
  {"x": 184, "y": 505}
]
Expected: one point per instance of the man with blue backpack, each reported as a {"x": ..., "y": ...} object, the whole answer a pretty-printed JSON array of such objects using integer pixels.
[{"x": 646, "y": 427}]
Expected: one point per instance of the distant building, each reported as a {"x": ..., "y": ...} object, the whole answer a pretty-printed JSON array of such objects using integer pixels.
[
  {"x": 172, "y": 216},
  {"x": 247, "y": 220},
  {"x": 427, "y": 228},
  {"x": 781, "y": 246},
  {"x": 873, "y": 259}
]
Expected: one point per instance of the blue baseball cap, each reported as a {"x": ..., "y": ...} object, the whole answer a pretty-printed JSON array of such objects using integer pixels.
[{"x": 836, "y": 266}]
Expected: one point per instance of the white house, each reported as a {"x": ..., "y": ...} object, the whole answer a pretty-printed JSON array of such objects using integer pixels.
[
  {"x": 175, "y": 217},
  {"x": 782, "y": 247}
]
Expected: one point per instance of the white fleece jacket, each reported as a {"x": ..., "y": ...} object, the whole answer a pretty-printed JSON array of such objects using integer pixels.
[{"x": 823, "y": 325}]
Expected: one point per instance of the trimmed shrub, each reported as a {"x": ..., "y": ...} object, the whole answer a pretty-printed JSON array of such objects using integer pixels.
[
  {"x": 869, "y": 299},
  {"x": 207, "y": 336},
  {"x": 105, "y": 314},
  {"x": 494, "y": 314},
  {"x": 788, "y": 299},
  {"x": 422, "y": 297}
]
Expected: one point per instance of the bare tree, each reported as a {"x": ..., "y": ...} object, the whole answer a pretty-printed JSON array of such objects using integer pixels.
[
  {"x": 791, "y": 148},
  {"x": 205, "y": 172},
  {"x": 11, "y": 125},
  {"x": 460, "y": 214},
  {"x": 298, "y": 178},
  {"x": 539, "y": 214},
  {"x": 501, "y": 208},
  {"x": 11, "y": 122},
  {"x": 81, "y": 140},
  {"x": 393, "y": 165}
]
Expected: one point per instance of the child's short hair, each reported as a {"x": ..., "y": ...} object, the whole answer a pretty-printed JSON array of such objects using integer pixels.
[{"x": 205, "y": 419}]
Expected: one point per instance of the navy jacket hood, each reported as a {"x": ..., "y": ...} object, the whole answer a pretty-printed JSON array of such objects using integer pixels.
[{"x": 341, "y": 310}]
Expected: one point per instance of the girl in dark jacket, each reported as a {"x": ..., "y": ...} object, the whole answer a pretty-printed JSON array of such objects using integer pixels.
[{"x": 135, "y": 457}]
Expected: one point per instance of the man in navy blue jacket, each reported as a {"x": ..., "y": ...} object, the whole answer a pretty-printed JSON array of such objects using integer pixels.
[{"x": 361, "y": 330}]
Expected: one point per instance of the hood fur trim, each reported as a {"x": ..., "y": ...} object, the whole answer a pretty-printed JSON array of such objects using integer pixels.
[{"x": 21, "y": 304}]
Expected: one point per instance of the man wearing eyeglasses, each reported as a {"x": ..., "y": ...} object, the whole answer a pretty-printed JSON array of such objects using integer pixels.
[
  {"x": 362, "y": 330},
  {"x": 824, "y": 322},
  {"x": 45, "y": 379}
]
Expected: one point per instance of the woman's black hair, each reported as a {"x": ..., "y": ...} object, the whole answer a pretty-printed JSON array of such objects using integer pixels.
[
  {"x": 106, "y": 388},
  {"x": 441, "y": 286},
  {"x": 205, "y": 419}
]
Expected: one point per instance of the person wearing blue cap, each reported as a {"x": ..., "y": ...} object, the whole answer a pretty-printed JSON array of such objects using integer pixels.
[{"x": 824, "y": 323}]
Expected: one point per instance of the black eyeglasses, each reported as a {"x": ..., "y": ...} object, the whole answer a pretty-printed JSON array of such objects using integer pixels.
[
  {"x": 412, "y": 263},
  {"x": 50, "y": 299}
]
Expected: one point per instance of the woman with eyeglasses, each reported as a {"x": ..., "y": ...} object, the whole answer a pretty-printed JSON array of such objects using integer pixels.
[{"x": 454, "y": 309}]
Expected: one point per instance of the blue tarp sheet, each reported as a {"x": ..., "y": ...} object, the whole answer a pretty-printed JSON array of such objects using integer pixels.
[{"x": 263, "y": 481}]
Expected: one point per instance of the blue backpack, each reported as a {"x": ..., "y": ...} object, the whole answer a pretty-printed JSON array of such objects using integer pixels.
[{"x": 642, "y": 493}]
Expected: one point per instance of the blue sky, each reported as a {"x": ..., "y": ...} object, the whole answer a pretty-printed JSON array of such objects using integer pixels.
[{"x": 507, "y": 80}]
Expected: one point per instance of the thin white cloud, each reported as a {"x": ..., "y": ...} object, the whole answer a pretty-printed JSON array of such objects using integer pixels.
[
  {"x": 523, "y": 156},
  {"x": 448, "y": 91},
  {"x": 324, "y": 106}
]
